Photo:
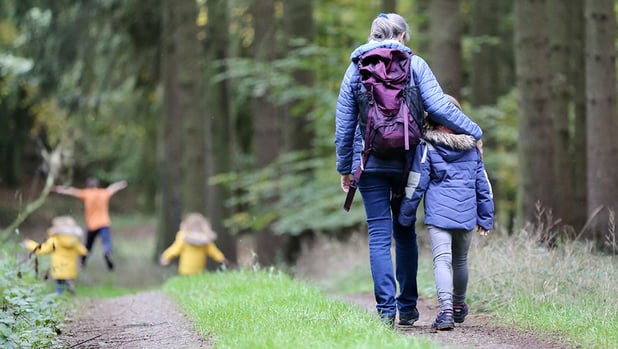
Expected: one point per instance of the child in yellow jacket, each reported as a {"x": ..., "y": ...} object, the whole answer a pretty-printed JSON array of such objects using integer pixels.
[
  {"x": 65, "y": 248},
  {"x": 193, "y": 245}
]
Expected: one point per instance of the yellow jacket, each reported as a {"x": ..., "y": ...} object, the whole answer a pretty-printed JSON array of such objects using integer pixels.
[
  {"x": 192, "y": 254},
  {"x": 64, "y": 250}
]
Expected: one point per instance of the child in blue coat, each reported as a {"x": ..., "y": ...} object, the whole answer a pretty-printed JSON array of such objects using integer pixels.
[{"x": 448, "y": 171}]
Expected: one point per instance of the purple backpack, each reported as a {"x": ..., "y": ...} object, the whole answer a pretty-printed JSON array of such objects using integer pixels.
[
  {"x": 390, "y": 110},
  {"x": 389, "y": 106}
]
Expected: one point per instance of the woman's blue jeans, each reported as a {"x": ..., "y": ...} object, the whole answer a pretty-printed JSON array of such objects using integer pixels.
[{"x": 376, "y": 189}]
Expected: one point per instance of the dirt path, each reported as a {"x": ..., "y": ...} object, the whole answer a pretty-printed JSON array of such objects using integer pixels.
[
  {"x": 477, "y": 331},
  {"x": 148, "y": 320},
  {"x": 152, "y": 320}
]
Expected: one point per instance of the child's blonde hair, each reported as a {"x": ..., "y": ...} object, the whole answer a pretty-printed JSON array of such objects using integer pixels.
[{"x": 432, "y": 124}]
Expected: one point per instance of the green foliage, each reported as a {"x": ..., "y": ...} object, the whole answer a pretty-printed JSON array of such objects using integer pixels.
[
  {"x": 93, "y": 81},
  {"x": 30, "y": 316},
  {"x": 308, "y": 191},
  {"x": 271, "y": 310},
  {"x": 500, "y": 128},
  {"x": 290, "y": 193}
]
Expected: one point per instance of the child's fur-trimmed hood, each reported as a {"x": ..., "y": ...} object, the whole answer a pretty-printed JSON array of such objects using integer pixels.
[
  {"x": 65, "y": 225},
  {"x": 197, "y": 230},
  {"x": 450, "y": 140}
]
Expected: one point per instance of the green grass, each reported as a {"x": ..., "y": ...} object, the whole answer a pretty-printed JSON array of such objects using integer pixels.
[
  {"x": 268, "y": 309},
  {"x": 568, "y": 291}
]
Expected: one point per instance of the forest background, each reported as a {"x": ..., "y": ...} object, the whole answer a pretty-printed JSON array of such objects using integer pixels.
[{"x": 227, "y": 108}]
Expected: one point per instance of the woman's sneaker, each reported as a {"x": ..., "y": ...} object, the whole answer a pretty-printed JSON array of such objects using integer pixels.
[
  {"x": 460, "y": 312},
  {"x": 443, "y": 322},
  {"x": 408, "y": 319}
]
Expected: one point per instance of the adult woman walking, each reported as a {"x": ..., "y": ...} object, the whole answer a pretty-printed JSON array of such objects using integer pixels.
[{"x": 381, "y": 178}]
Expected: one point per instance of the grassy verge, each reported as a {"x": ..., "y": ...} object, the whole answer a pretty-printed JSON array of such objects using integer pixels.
[
  {"x": 569, "y": 290},
  {"x": 268, "y": 309}
]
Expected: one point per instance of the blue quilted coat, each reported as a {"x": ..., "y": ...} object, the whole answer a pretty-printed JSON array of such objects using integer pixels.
[
  {"x": 448, "y": 170},
  {"x": 349, "y": 137}
]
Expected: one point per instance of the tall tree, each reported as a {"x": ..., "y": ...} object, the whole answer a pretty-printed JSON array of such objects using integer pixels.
[
  {"x": 219, "y": 119},
  {"x": 187, "y": 59},
  {"x": 170, "y": 141},
  {"x": 578, "y": 76},
  {"x": 267, "y": 134},
  {"x": 561, "y": 93},
  {"x": 535, "y": 124},
  {"x": 389, "y": 6},
  {"x": 298, "y": 131},
  {"x": 602, "y": 122},
  {"x": 445, "y": 44},
  {"x": 421, "y": 21},
  {"x": 484, "y": 85}
]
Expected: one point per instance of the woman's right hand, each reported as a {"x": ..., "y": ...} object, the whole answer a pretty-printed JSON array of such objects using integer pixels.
[{"x": 345, "y": 182}]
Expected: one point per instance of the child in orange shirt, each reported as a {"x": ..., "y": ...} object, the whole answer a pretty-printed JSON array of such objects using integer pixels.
[
  {"x": 96, "y": 211},
  {"x": 193, "y": 245},
  {"x": 64, "y": 246}
]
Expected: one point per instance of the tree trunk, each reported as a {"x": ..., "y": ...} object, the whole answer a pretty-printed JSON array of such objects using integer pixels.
[
  {"x": 578, "y": 76},
  {"x": 298, "y": 131},
  {"x": 484, "y": 86},
  {"x": 219, "y": 115},
  {"x": 420, "y": 44},
  {"x": 267, "y": 135},
  {"x": 299, "y": 134},
  {"x": 445, "y": 45},
  {"x": 562, "y": 98},
  {"x": 189, "y": 94},
  {"x": 485, "y": 63},
  {"x": 506, "y": 71},
  {"x": 170, "y": 144},
  {"x": 535, "y": 124},
  {"x": 389, "y": 6},
  {"x": 602, "y": 128}
]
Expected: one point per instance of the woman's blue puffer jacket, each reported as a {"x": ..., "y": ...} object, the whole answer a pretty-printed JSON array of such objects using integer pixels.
[{"x": 348, "y": 136}]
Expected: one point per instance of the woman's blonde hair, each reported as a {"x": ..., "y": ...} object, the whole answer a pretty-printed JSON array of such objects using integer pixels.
[{"x": 388, "y": 26}]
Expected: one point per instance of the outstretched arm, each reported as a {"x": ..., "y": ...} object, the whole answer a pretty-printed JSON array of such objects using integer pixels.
[
  {"x": 65, "y": 190},
  {"x": 115, "y": 187}
]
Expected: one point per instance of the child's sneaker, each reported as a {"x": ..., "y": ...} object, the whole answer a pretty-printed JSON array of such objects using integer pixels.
[
  {"x": 443, "y": 322},
  {"x": 460, "y": 312}
]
